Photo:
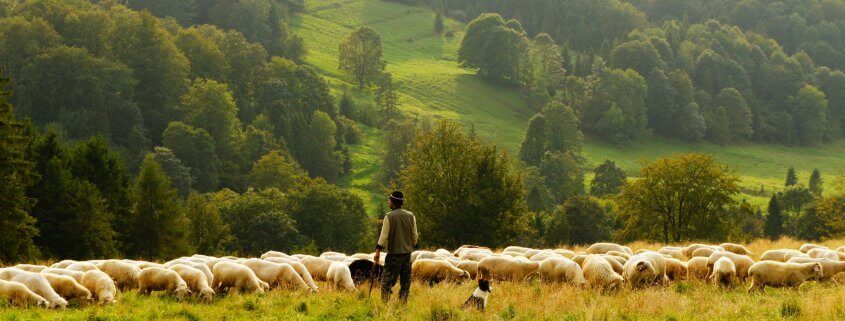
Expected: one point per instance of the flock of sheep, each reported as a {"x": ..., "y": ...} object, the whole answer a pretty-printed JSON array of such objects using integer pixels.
[{"x": 606, "y": 266}]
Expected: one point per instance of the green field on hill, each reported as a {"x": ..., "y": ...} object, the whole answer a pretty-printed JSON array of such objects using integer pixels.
[{"x": 433, "y": 86}]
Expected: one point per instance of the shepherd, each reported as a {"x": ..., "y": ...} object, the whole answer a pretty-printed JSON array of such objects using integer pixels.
[{"x": 398, "y": 238}]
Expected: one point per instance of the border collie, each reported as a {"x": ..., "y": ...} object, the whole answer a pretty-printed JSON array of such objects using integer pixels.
[{"x": 478, "y": 299}]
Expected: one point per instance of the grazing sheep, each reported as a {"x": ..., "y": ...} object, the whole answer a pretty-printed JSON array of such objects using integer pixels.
[
  {"x": 67, "y": 287},
  {"x": 600, "y": 274},
  {"x": 125, "y": 275},
  {"x": 62, "y": 264},
  {"x": 517, "y": 249},
  {"x": 616, "y": 262},
  {"x": 557, "y": 269},
  {"x": 339, "y": 276},
  {"x": 702, "y": 252},
  {"x": 197, "y": 265},
  {"x": 471, "y": 248},
  {"x": 195, "y": 279},
  {"x": 30, "y": 267},
  {"x": 539, "y": 257},
  {"x": 565, "y": 253},
  {"x": 418, "y": 255},
  {"x": 579, "y": 258},
  {"x": 231, "y": 276},
  {"x": 300, "y": 269},
  {"x": 274, "y": 254},
  {"x": 102, "y": 287},
  {"x": 503, "y": 268},
  {"x": 687, "y": 251},
  {"x": 697, "y": 268},
  {"x": 724, "y": 272},
  {"x": 624, "y": 255},
  {"x": 81, "y": 267},
  {"x": 20, "y": 295},
  {"x": 823, "y": 253},
  {"x": 35, "y": 282},
  {"x": 658, "y": 261},
  {"x": 363, "y": 256},
  {"x": 809, "y": 246},
  {"x": 640, "y": 271},
  {"x": 829, "y": 268},
  {"x": 471, "y": 267},
  {"x": 602, "y": 248},
  {"x": 436, "y": 271},
  {"x": 672, "y": 253},
  {"x": 742, "y": 262},
  {"x": 473, "y": 256},
  {"x": 777, "y": 274},
  {"x": 76, "y": 275},
  {"x": 676, "y": 269},
  {"x": 781, "y": 255},
  {"x": 162, "y": 279},
  {"x": 317, "y": 267},
  {"x": 736, "y": 248},
  {"x": 276, "y": 274}
]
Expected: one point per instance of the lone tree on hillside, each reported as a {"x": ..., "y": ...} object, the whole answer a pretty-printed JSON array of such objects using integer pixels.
[
  {"x": 360, "y": 56},
  {"x": 609, "y": 179},
  {"x": 678, "y": 198},
  {"x": 791, "y": 178}
]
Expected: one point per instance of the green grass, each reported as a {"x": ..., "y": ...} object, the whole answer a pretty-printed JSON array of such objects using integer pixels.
[{"x": 433, "y": 86}]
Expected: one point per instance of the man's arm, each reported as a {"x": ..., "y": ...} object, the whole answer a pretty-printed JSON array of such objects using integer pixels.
[
  {"x": 385, "y": 233},
  {"x": 416, "y": 234}
]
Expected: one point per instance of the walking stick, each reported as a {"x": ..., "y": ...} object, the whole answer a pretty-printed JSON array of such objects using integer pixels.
[{"x": 376, "y": 258}]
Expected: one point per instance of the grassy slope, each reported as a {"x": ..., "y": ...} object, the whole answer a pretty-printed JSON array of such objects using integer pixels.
[
  {"x": 687, "y": 300},
  {"x": 433, "y": 86}
]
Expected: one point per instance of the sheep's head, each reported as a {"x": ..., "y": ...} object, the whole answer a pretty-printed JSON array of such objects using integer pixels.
[
  {"x": 182, "y": 292},
  {"x": 642, "y": 266},
  {"x": 817, "y": 271},
  {"x": 207, "y": 294}
]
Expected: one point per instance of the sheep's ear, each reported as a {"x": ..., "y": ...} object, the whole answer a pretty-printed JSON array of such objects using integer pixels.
[{"x": 817, "y": 267}]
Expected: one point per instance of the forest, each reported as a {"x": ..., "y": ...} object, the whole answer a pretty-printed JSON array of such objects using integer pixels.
[{"x": 157, "y": 128}]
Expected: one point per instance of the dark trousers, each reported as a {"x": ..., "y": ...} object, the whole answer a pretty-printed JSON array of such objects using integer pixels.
[{"x": 396, "y": 266}]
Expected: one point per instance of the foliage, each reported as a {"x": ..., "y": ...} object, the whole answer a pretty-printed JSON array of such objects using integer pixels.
[
  {"x": 275, "y": 170},
  {"x": 18, "y": 227},
  {"x": 258, "y": 221},
  {"x": 360, "y": 56},
  {"x": 679, "y": 198},
  {"x": 608, "y": 179},
  {"x": 161, "y": 228},
  {"x": 208, "y": 232},
  {"x": 463, "y": 192},
  {"x": 329, "y": 217}
]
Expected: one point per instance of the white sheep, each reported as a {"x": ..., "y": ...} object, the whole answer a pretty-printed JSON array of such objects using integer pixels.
[
  {"x": 31, "y": 267},
  {"x": 829, "y": 268},
  {"x": 81, "y": 267},
  {"x": 809, "y": 246},
  {"x": 125, "y": 275},
  {"x": 687, "y": 251},
  {"x": 602, "y": 248},
  {"x": 702, "y": 252},
  {"x": 504, "y": 268},
  {"x": 62, "y": 264},
  {"x": 276, "y": 274},
  {"x": 436, "y": 271},
  {"x": 102, "y": 287},
  {"x": 162, "y": 279},
  {"x": 600, "y": 274},
  {"x": 274, "y": 254},
  {"x": 676, "y": 269},
  {"x": 640, "y": 271},
  {"x": 196, "y": 280},
  {"x": 317, "y": 267},
  {"x": 724, "y": 272},
  {"x": 473, "y": 256},
  {"x": 823, "y": 253},
  {"x": 235, "y": 277},
  {"x": 470, "y": 266},
  {"x": 777, "y": 274},
  {"x": 76, "y": 275},
  {"x": 736, "y": 248},
  {"x": 339, "y": 276},
  {"x": 194, "y": 264},
  {"x": 35, "y": 282},
  {"x": 558, "y": 269},
  {"x": 300, "y": 269},
  {"x": 658, "y": 262},
  {"x": 20, "y": 295},
  {"x": 697, "y": 268},
  {"x": 67, "y": 287},
  {"x": 781, "y": 255},
  {"x": 742, "y": 263}
]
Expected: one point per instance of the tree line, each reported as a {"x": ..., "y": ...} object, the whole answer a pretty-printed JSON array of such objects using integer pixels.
[{"x": 633, "y": 67}]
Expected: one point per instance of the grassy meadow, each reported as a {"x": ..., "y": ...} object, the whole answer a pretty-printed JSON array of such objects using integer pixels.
[
  {"x": 686, "y": 300},
  {"x": 432, "y": 86}
]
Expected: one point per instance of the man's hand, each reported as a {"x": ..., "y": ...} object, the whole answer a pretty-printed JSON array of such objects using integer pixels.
[{"x": 376, "y": 257}]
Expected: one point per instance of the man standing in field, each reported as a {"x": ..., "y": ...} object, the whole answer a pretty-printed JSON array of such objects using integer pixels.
[{"x": 398, "y": 238}]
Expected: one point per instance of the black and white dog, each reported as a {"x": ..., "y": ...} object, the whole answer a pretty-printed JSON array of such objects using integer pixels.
[{"x": 479, "y": 297}]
